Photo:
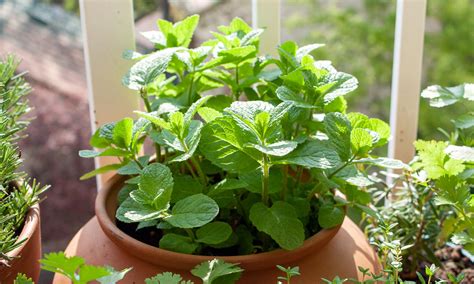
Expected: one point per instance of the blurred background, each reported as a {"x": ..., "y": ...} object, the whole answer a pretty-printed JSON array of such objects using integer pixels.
[{"x": 46, "y": 35}]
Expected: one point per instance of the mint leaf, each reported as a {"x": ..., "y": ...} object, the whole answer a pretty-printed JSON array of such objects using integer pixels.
[
  {"x": 280, "y": 222},
  {"x": 101, "y": 170},
  {"x": 337, "y": 84},
  {"x": 178, "y": 243},
  {"x": 220, "y": 144},
  {"x": 279, "y": 149},
  {"x": 131, "y": 211},
  {"x": 193, "y": 211},
  {"x": 330, "y": 216},
  {"x": 311, "y": 154},
  {"x": 208, "y": 114},
  {"x": 253, "y": 180},
  {"x": 213, "y": 233},
  {"x": 361, "y": 141},
  {"x": 383, "y": 162},
  {"x": 307, "y": 49},
  {"x": 122, "y": 133},
  {"x": 146, "y": 70},
  {"x": 155, "y": 187},
  {"x": 464, "y": 121},
  {"x": 185, "y": 186},
  {"x": 287, "y": 95},
  {"x": 217, "y": 271},
  {"x": 338, "y": 129}
]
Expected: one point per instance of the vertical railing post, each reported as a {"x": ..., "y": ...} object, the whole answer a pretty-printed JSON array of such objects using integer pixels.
[
  {"x": 266, "y": 14},
  {"x": 406, "y": 77},
  {"x": 108, "y": 30}
]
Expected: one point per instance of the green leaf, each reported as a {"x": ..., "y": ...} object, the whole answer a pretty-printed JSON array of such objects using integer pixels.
[
  {"x": 338, "y": 129},
  {"x": 184, "y": 30},
  {"x": 253, "y": 180},
  {"x": 188, "y": 116},
  {"x": 131, "y": 211},
  {"x": 279, "y": 149},
  {"x": 166, "y": 278},
  {"x": 109, "y": 152},
  {"x": 464, "y": 121},
  {"x": 101, "y": 170},
  {"x": 122, "y": 133},
  {"x": 213, "y": 233},
  {"x": 154, "y": 118},
  {"x": 337, "y": 84},
  {"x": 361, "y": 141},
  {"x": 132, "y": 168},
  {"x": 185, "y": 186},
  {"x": 444, "y": 96},
  {"x": 330, "y": 216},
  {"x": 280, "y": 222},
  {"x": 193, "y": 211},
  {"x": 23, "y": 279},
  {"x": 383, "y": 162},
  {"x": 208, "y": 114},
  {"x": 220, "y": 144},
  {"x": 178, "y": 243},
  {"x": 463, "y": 153},
  {"x": 307, "y": 49},
  {"x": 147, "y": 70},
  {"x": 155, "y": 187},
  {"x": 88, "y": 273},
  {"x": 217, "y": 271},
  {"x": 311, "y": 154},
  {"x": 287, "y": 95}
]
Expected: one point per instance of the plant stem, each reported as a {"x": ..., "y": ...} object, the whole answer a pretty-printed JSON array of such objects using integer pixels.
[
  {"x": 342, "y": 167},
  {"x": 285, "y": 182},
  {"x": 313, "y": 191},
  {"x": 299, "y": 173},
  {"x": 146, "y": 101},
  {"x": 199, "y": 170},
  {"x": 190, "y": 234},
  {"x": 265, "y": 180},
  {"x": 236, "y": 92}
]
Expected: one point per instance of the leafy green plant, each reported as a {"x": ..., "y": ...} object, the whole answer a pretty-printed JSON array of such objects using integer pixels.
[
  {"x": 17, "y": 193},
  {"x": 238, "y": 176},
  {"x": 432, "y": 202},
  {"x": 290, "y": 272},
  {"x": 211, "y": 272}
]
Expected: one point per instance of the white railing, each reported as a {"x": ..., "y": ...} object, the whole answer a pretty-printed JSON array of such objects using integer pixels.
[{"x": 108, "y": 29}]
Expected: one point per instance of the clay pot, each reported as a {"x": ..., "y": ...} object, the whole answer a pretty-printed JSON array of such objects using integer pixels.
[
  {"x": 26, "y": 256},
  {"x": 337, "y": 251}
]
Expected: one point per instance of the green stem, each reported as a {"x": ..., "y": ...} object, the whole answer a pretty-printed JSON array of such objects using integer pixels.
[
  {"x": 236, "y": 92},
  {"x": 285, "y": 183},
  {"x": 190, "y": 234},
  {"x": 313, "y": 191},
  {"x": 265, "y": 180},
  {"x": 148, "y": 108},
  {"x": 199, "y": 170},
  {"x": 299, "y": 173},
  {"x": 190, "y": 169},
  {"x": 341, "y": 167},
  {"x": 190, "y": 89}
]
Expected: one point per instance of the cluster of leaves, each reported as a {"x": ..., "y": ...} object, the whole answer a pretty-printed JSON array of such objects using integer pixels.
[
  {"x": 369, "y": 26},
  {"x": 433, "y": 201},
  {"x": 75, "y": 269},
  {"x": 393, "y": 278},
  {"x": 250, "y": 175},
  {"x": 16, "y": 195}
]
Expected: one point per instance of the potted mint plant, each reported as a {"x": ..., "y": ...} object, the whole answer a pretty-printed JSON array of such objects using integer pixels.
[
  {"x": 20, "y": 233},
  {"x": 255, "y": 161}
]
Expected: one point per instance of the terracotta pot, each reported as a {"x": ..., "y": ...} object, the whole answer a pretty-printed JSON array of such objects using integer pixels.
[
  {"x": 26, "y": 256},
  {"x": 338, "y": 251}
]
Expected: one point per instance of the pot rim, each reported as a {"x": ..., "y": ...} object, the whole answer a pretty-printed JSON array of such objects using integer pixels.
[
  {"x": 31, "y": 224},
  {"x": 106, "y": 205}
]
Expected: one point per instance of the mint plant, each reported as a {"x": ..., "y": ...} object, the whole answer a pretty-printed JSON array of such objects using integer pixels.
[
  {"x": 17, "y": 192},
  {"x": 249, "y": 149}
]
